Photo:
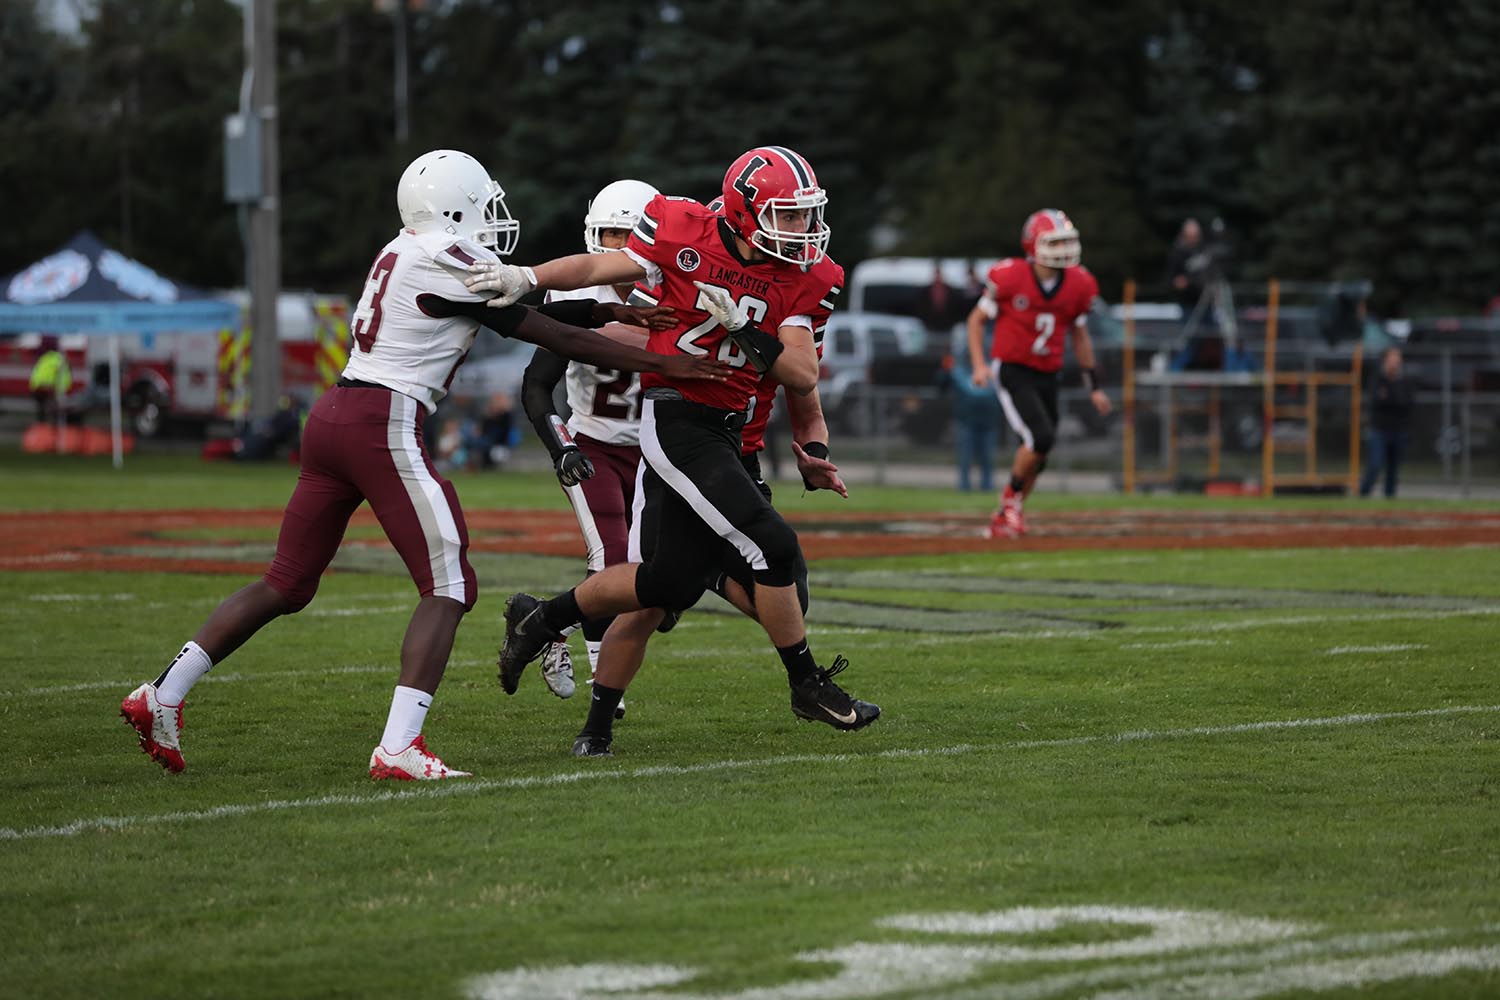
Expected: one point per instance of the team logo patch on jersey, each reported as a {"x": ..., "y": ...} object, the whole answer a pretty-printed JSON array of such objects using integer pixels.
[
  {"x": 1019, "y": 303},
  {"x": 688, "y": 259}
]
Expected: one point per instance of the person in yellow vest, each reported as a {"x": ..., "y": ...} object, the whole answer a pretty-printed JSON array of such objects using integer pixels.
[{"x": 50, "y": 379}]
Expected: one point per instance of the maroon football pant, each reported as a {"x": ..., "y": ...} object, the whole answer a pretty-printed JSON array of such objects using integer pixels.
[
  {"x": 366, "y": 444},
  {"x": 603, "y": 502}
]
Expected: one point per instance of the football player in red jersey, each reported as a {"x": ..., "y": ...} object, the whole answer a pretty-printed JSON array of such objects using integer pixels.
[
  {"x": 732, "y": 577},
  {"x": 1035, "y": 304},
  {"x": 743, "y": 284},
  {"x": 363, "y": 442}
]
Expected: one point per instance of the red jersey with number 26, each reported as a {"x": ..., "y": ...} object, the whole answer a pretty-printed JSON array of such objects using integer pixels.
[
  {"x": 678, "y": 241},
  {"x": 1030, "y": 323},
  {"x": 753, "y": 435}
]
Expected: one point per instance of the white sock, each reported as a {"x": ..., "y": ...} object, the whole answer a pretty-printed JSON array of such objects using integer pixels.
[
  {"x": 593, "y": 648},
  {"x": 182, "y": 673},
  {"x": 408, "y": 711}
]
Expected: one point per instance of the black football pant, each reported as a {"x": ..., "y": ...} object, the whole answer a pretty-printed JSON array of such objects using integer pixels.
[{"x": 698, "y": 496}]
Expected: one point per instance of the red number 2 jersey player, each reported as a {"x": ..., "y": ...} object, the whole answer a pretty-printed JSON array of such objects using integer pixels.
[{"x": 1035, "y": 303}]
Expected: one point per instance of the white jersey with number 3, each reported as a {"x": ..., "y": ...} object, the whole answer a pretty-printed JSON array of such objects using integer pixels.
[
  {"x": 396, "y": 344},
  {"x": 606, "y": 403}
]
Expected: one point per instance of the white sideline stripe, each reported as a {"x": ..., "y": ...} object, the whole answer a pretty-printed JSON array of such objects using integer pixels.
[
  {"x": 1175, "y": 645},
  {"x": 83, "y": 597},
  {"x": 463, "y": 787},
  {"x": 1395, "y": 647}
]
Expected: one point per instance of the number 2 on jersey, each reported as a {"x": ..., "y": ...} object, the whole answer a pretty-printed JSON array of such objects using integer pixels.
[
  {"x": 609, "y": 395},
  {"x": 1046, "y": 325},
  {"x": 365, "y": 323},
  {"x": 728, "y": 353}
]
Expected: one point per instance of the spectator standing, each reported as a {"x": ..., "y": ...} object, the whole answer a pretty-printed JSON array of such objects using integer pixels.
[
  {"x": 976, "y": 418},
  {"x": 1187, "y": 266},
  {"x": 1392, "y": 397},
  {"x": 937, "y": 301},
  {"x": 50, "y": 379}
]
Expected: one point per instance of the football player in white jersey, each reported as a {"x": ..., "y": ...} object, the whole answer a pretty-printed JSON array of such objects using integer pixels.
[
  {"x": 363, "y": 442},
  {"x": 597, "y": 451}
]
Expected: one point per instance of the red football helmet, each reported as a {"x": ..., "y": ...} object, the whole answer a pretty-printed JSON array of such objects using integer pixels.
[
  {"x": 1050, "y": 239},
  {"x": 769, "y": 179}
]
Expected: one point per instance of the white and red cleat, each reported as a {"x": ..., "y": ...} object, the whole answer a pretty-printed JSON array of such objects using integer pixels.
[
  {"x": 157, "y": 725},
  {"x": 1008, "y": 521},
  {"x": 415, "y": 763}
]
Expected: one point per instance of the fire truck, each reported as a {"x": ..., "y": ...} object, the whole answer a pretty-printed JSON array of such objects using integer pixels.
[{"x": 186, "y": 379}]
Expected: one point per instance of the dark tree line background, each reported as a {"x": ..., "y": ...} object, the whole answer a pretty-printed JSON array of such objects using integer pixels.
[{"x": 1337, "y": 139}]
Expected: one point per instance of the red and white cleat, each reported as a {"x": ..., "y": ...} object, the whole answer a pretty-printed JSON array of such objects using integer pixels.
[
  {"x": 415, "y": 763},
  {"x": 1007, "y": 523},
  {"x": 157, "y": 725}
]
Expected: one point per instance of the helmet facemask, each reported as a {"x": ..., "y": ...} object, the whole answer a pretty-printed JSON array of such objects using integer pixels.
[
  {"x": 1060, "y": 248},
  {"x": 804, "y": 248},
  {"x": 498, "y": 230}
]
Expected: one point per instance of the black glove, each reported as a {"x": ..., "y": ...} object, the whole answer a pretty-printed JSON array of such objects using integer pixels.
[{"x": 573, "y": 466}]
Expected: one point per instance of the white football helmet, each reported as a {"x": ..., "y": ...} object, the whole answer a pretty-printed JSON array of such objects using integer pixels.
[
  {"x": 450, "y": 192},
  {"x": 617, "y": 206}
]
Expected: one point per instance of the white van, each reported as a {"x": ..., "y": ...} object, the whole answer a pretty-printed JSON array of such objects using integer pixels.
[
  {"x": 898, "y": 284},
  {"x": 852, "y": 342}
]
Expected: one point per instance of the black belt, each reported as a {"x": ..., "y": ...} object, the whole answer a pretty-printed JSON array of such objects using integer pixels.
[
  {"x": 671, "y": 405},
  {"x": 354, "y": 383}
]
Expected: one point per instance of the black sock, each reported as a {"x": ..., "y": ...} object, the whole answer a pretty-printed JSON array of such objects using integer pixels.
[
  {"x": 561, "y": 612},
  {"x": 1017, "y": 485},
  {"x": 601, "y": 721},
  {"x": 798, "y": 660}
]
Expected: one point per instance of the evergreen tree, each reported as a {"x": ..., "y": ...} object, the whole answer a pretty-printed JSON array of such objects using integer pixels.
[
  {"x": 36, "y": 91},
  {"x": 1381, "y": 154},
  {"x": 1197, "y": 130},
  {"x": 1037, "y": 112}
]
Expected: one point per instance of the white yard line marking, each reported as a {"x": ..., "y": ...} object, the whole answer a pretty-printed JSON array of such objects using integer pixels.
[
  {"x": 78, "y": 598},
  {"x": 480, "y": 785},
  {"x": 1395, "y": 647},
  {"x": 1180, "y": 644}
]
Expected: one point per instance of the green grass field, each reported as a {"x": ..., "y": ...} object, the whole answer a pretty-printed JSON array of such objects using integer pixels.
[{"x": 1126, "y": 774}]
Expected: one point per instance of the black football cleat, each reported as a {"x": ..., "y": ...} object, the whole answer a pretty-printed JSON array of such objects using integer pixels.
[
  {"x": 819, "y": 699},
  {"x": 526, "y": 636},
  {"x": 589, "y": 745}
]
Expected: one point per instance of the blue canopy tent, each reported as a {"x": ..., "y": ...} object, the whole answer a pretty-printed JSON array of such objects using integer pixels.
[{"x": 89, "y": 288}]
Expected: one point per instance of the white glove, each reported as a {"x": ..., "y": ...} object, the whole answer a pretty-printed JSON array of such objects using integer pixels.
[
  {"x": 721, "y": 306},
  {"x": 506, "y": 281}
]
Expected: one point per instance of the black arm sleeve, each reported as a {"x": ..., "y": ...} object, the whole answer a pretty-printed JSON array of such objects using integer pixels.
[
  {"x": 574, "y": 343},
  {"x": 574, "y": 312},
  {"x": 542, "y": 375},
  {"x": 761, "y": 348},
  {"x": 502, "y": 321}
]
